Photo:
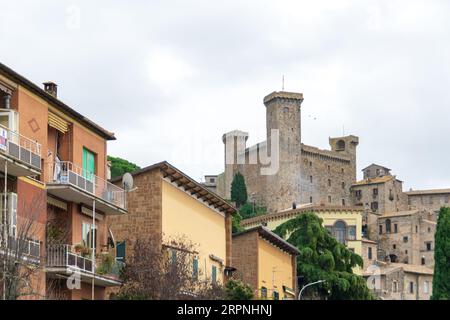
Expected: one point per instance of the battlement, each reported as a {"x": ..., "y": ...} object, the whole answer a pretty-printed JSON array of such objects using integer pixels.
[{"x": 283, "y": 95}]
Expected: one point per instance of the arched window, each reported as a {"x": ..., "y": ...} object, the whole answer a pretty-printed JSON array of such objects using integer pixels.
[
  {"x": 388, "y": 225},
  {"x": 340, "y": 145},
  {"x": 340, "y": 231}
]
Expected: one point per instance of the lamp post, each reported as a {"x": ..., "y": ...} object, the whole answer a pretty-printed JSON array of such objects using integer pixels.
[{"x": 308, "y": 285}]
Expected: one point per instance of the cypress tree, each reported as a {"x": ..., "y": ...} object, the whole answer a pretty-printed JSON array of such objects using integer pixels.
[
  {"x": 441, "y": 279},
  {"x": 238, "y": 190}
]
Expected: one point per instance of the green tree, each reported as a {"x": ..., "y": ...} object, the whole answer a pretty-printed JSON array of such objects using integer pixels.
[
  {"x": 441, "y": 279},
  {"x": 238, "y": 190},
  {"x": 236, "y": 223},
  {"x": 120, "y": 166},
  {"x": 237, "y": 290},
  {"x": 322, "y": 257}
]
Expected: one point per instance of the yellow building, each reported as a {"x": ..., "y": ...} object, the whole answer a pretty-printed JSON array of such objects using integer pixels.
[
  {"x": 266, "y": 262},
  {"x": 345, "y": 223},
  {"x": 168, "y": 203}
]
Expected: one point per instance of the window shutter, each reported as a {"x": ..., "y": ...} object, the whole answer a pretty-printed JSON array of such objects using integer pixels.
[
  {"x": 58, "y": 123},
  {"x": 120, "y": 251}
]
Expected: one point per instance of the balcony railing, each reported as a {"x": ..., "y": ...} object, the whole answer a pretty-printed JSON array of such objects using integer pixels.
[
  {"x": 62, "y": 256},
  {"x": 23, "y": 249},
  {"x": 66, "y": 172},
  {"x": 20, "y": 147}
]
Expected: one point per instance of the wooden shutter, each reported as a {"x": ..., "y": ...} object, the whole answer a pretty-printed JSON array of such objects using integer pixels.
[{"x": 58, "y": 123}]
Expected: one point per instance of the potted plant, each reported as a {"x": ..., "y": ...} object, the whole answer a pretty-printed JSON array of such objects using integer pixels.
[{"x": 79, "y": 247}]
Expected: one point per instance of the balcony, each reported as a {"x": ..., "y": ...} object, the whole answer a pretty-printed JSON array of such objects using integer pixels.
[
  {"x": 63, "y": 262},
  {"x": 71, "y": 183},
  {"x": 22, "y": 154},
  {"x": 23, "y": 249}
]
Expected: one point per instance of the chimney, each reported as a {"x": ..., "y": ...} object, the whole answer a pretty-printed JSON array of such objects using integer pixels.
[{"x": 51, "y": 88}]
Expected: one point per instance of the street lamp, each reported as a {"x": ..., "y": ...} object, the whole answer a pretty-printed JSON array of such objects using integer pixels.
[{"x": 308, "y": 285}]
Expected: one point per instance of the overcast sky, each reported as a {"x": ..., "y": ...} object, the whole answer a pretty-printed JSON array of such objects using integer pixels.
[{"x": 170, "y": 77}]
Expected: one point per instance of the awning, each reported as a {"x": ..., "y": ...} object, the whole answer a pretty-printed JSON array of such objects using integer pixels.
[
  {"x": 58, "y": 123},
  {"x": 57, "y": 203}
]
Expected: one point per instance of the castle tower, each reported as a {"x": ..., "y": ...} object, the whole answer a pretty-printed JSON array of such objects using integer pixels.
[
  {"x": 235, "y": 145},
  {"x": 283, "y": 113},
  {"x": 346, "y": 145}
]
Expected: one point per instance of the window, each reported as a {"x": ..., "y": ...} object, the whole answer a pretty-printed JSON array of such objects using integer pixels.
[
  {"x": 417, "y": 229},
  {"x": 329, "y": 199},
  {"x": 411, "y": 287},
  {"x": 311, "y": 179},
  {"x": 310, "y": 163},
  {"x": 394, "y": 246},
  {"x": 343, "y": 202},
  {"x": 340, "y": 145},
  {"x": 214, "y": 274},
  {"x": 285, "y": 110},
  {"x": 388, "y": 225},
  {"x": 339, "y": 230},
  {"x": 375, "y": 191},
  {"x": 329, "y": 168},
  {"x": 89, "y": 235},
  {"x": 276, "y": 295},
  {"x": 88, "y": 164},
  {"x": 423, "y": 261},
  {"x": 405, "y": 239},
  {"x": 264, "y": 292},
  {"x": 329, "y": 182},
  {"x": 374, "y": 205},
  {"x": 428, "y": 244},
  {"x": 342, "y": 170},
  {"x": 426, "y": 287},
  {"x": 173, "y": 258},
  {"x": 310, "y": 200},
  {"x": 429, "y": 230},
  {"x": 395, "y": 228},
  {"x": 195, "y": 268},
  {"x": 120, "y": 251},
  {"x": 211, "y": 180},
  {"x": 343, "y": 185},
  {"x": 394, "y": 286},
  {"x": 369, "y": 253},
  {"x": 358, "y": 194},
  {"x": 352, "y": 232},
  {"x": 380, "y": 229}
]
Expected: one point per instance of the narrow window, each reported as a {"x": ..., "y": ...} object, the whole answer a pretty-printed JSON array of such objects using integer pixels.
[
  {"x": 426, "y": 287},
  {"x": 423, "y": 261},
  {"x": 388, "y": 225},
  {"x": 369, "y": 253},
  {"x": 214, "y": 274},
  {"x": 411, "y": 287},
  {"x": 395, "y": 228},
  {"x": 380, "y": 229},
  {"x": 329, "y": 199},
  {"x": 343, "y": 185},
  {"x": 311, "y": 179},
  {"x": 310, "y": 199},
  {"x": 343, "y": 202},
  {"x": 195, "y": 268},
  {"x": 264, "y": 292},
  {"x": 329, "y": 182},
  {"x": 428, "y": 246}
]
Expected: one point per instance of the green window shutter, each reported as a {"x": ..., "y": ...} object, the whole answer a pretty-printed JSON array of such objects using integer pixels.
[
  {"x": 214, "y": 274},
  {"x": 88, "y": 164},
  {"x": 195, "y": 269},
  {"x": 120, "y": 251}
]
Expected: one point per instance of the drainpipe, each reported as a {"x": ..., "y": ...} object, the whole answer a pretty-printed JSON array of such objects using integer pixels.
[
  {"x": 94, "y": 238},
  {"x": 5, "y": 227}
]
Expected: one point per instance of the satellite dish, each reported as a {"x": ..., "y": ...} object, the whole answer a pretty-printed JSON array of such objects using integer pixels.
[{"x": 127, "y": 181}]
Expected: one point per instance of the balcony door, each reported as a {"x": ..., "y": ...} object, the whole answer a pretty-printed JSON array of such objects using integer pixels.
[{"x": 88, "y": 164}]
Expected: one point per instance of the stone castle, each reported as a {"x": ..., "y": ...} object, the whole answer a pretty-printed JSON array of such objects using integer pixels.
[{"x": 306, "y": 174}]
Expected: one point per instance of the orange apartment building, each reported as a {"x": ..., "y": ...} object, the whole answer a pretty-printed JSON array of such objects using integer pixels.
[{"x": 53, "y": 171}]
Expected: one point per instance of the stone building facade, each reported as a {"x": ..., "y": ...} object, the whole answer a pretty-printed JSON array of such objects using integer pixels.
[
  {"x": 408, "y": 236},
  {"x": 398, "y": 281},
  {"x": 429, "y": 199},
  {"x": 306, "y": 174}
]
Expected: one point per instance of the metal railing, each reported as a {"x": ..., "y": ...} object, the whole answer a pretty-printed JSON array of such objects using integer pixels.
[
  {"x": 23, "y": 248},
  {"x": 66, "y": 172},
  {"x": 20, "y": 147},
  {"x": 61, "y": 255}
]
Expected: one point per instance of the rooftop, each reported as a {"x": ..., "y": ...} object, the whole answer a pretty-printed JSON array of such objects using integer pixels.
[
  {"x": 190, "y": 185},
  {"x": 386, "y": 268},
  {"x": 290, "y": 213},
  {"x": 272, "y": 238},
  {"x": 427, "y": 192},
  {"x": 376, "y": 180},
  {"x": 398, "y": 213},
  {"x": 55, "y": 102},
  {"x": 283, "y": 95}
]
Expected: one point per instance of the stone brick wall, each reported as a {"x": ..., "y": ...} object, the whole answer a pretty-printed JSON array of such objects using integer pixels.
[
  {"x": 144, "y": 210},
  {"x": 432, "y": 202},
  {"x": 245, "y": 259}
]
